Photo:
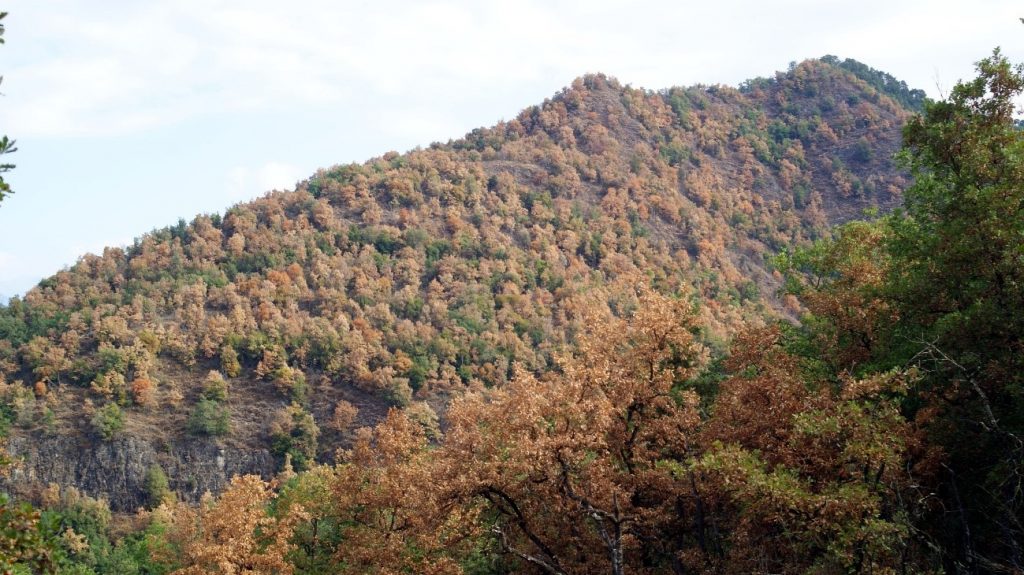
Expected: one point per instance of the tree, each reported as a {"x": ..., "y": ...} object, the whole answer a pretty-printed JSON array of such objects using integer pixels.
[
  {"x": 806, "y": 477},
  {"x": 388, "y": 503},
  {"x": 236, "y": 535},
  {"x": 568, "y": 467},
  {"x": 294, "y": 433},
  {"x": 958, "y": 283},
  {"x": 957, "y": 275},
  {"x": 108, "y": 421},
  {"x": 26, "y": 539},
  {"x": 26, "y": 545},
  {"x": 6, "y": 144},
  {"x": 209, "y": 417},
  {"x": 158, "y": 490},
  {"x": 939, "y": 287}
]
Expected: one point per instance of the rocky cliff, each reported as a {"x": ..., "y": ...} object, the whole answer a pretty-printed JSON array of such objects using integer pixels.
[{"x": 117, "y": 469}]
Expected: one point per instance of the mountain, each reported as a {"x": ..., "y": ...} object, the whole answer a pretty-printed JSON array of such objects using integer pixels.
[{"x": 234, "y": 343}]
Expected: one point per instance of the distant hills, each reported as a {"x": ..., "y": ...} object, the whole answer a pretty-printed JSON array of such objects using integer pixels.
[{"x": 410, "y": 277}]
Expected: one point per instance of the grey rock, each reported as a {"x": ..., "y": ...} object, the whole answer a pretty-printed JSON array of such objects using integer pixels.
[{"x": 116, "y": 470}]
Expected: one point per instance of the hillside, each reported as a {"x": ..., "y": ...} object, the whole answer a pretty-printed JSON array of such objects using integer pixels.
[{"x": 408, "y": 278}]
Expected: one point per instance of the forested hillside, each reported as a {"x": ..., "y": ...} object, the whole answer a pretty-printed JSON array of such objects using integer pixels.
[
  {"x": 415, "y": 275},
  {"x": 574, "y": 333}
]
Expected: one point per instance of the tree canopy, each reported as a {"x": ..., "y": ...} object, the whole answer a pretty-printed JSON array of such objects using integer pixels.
[{"x": 939, "y": 286}]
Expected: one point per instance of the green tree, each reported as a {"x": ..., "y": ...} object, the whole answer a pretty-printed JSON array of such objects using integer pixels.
[
  {"x": 939, "y": 286},
  {"x": 158, "y": 489},
  {"x": 108, "y": 421},
  {"x": 6, "y": 144},
  {"x": 957, "y": 280},
  {"x": 957, "y": 275},
  {"x": 209, "y": 417},
  {"x": 294, "y": 433}
]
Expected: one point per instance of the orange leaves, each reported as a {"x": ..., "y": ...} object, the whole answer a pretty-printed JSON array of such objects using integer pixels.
[
  {"x": 756, "y": 405},
  {"x": 442, "y": 268},
  {"x": 608, "y": 465},
  {"x": 387, "y": 497},
  {"x": 840, "y": 283},
  {"x": 568, "y": 462},
  {"x": 600, "y": 181},
  {"x": 143, "y": 391},
  {"x": 343, "y": 416},
  {"x": 236, "y": 535},
  {"x": 789, "y": 454}
]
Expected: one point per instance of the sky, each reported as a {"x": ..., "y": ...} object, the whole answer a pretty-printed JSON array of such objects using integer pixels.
[{"x": 130, "y": 115}]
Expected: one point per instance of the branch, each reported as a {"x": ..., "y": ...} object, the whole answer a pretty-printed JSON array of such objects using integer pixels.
[
  {"x": 507, "y": 506},
  {"x": 933, "y": 352},
  {"x": 503, "y": 539},
  {"x": 613, "y": 541}
]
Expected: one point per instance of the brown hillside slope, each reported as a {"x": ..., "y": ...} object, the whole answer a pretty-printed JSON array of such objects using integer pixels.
[{"x": 407, "y": 278}]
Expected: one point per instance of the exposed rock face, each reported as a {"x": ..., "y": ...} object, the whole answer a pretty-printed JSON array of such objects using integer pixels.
[{"x": 117, "y": 469}]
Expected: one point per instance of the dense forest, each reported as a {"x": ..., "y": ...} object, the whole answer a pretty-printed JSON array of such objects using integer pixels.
[
  {"x": 413, "y": 276},
  {"x": 625, "y": 332}
]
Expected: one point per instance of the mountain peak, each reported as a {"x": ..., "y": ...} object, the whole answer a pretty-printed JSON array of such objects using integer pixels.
[{"x": 410, "y": 277}]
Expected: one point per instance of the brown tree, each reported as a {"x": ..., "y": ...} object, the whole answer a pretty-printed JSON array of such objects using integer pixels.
[
  {"x": 568, "y": 466},
  {"x": 236, "y": 535}
]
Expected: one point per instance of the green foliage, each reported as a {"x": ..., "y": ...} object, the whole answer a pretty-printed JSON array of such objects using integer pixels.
[
  {"x": 294, "y": 435},
  {"x": 6, "y": 144},
  {"x": 940, "y": 286},
  {"x": 958, "y": 281},
  {"x": 87, "y": 544},
  {"x": 209, "y": 417},
  {"x": 27, "y": 543},
  {"x": 6, "y": 147},
  {"x": 229, "y": 361},
  {"x": 423, "y": 415},
  {"x": 862, "y": 151},
  {"x": 383, "y": 240},
  {"x": 158, "y": 490},
  {"x": 913, "y": 99},
  {"x": 108, "y": 421},
  {"x": 215, "y": 387},
  {"x": 959, "y": 246},
  {"x": 858, "y": 539}
]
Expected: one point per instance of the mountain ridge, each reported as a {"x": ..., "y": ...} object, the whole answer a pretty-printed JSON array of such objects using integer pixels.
[{"x": 411, "y": 276}]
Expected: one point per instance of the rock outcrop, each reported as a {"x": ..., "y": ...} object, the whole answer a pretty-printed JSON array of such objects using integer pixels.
[{"x": 116, "y": 470}]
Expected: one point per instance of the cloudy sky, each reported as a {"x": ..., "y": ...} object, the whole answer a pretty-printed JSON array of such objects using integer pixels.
[{"x": 130, "y": 115}]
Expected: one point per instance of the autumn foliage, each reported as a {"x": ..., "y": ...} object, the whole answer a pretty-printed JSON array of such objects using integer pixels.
[
  {"x": 419, "y": 275},
  {"x": 552, "y": 346},
  {"x": 609, "y": 464}
]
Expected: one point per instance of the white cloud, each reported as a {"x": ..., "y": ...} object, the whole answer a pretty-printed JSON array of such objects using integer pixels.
[{"x": 142, "y": 65}]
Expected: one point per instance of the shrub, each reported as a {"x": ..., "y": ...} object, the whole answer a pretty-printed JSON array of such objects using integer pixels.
[
  {"x": 422, "y": 414},
  {"x": 294, "y": 433},
  {"x": 108, "y": 421},
  {"x": 215, "y": 388},
  {"x": 157, "y": 488},
  {"x": 344, "y": 415},
  {"x": 862, "y": 152},
  {"x": 210, "y": 417},
  {"x": 229, "y": 361},
  {"x": 143, "y": 391}
]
